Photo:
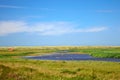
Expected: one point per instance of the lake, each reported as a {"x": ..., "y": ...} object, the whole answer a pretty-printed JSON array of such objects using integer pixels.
[{"x": 66, "y": 56}]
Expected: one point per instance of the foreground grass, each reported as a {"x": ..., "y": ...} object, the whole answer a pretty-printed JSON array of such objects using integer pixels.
[
  {"x": 13, "y": 67},
  {"x": 59, "y": 70}
]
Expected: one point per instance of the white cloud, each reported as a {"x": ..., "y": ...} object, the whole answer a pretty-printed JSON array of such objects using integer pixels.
[
  {"x": 8, "y": 27},
  {"x": 43, "y": 28}
]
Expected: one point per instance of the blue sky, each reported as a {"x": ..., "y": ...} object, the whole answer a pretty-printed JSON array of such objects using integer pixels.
[{"x": 59, "y": 22}]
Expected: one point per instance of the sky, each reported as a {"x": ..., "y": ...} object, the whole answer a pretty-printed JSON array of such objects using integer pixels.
[{"x": 59, "y": 22}]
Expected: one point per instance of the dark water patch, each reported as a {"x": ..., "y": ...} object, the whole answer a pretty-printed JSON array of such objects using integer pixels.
[{"x": 61, "y": 56}]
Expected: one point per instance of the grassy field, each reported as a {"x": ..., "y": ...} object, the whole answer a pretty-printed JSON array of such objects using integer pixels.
[
  {"x": 14, "y": 67},
  {"x": 101, "y": 52}
]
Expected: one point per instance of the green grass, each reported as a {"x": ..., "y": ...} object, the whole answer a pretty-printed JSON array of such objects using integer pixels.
[
  {"x": 13, "y": 67},
  {"x": 101, "y": 52}
]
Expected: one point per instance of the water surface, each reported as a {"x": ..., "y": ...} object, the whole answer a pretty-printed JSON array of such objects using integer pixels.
[{"x": 66, "y": 56}]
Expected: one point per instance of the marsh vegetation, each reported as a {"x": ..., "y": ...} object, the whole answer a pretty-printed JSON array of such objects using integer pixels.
[{"x": 14, "y": 67}]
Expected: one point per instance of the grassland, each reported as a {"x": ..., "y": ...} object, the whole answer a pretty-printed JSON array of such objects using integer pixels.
[
  {"x": 14, "y": 67},
  {"x": 101, "y": 52}
]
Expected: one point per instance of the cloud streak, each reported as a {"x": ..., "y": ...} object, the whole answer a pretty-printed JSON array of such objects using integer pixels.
[
  {"x": 10, "y": 6},
  {"x": 20, "y": 7},
  {"x": 104, "y": 11},
  {"x": 43, "y": 28}
]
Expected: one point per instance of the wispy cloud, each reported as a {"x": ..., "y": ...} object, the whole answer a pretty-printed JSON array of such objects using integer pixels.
[
  {"x": 20, "y": 7},
  {"x": 31, "y": 17},
  {"x": 104, "y": 11},
  {"x": 43, "y": 28},
  {"x": 10, "y": 6}
]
